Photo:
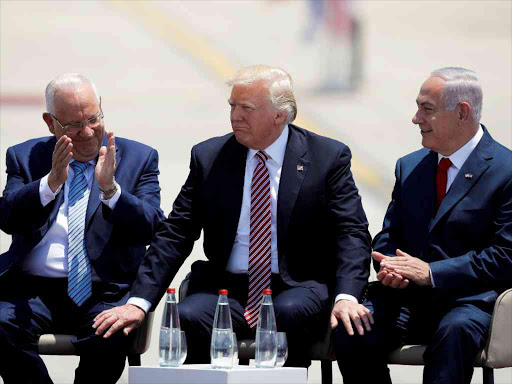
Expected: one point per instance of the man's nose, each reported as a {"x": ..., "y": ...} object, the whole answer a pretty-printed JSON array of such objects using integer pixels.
[
  {"x": 236, "y": 115},
  {"x": 86, "y": 131},
  {"x": 416, "y": 119}
]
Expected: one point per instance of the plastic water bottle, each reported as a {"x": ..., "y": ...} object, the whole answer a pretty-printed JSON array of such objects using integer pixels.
[
  {"x": 170, "y": 336},
  {"x": 266, "y": 333},
  {"x": 221, "y": 348}
]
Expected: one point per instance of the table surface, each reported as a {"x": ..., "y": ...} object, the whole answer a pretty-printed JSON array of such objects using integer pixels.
[{"x": 205, "y": 374}]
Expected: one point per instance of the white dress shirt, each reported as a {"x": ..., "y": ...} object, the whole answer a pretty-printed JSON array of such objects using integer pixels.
[
  {"x": 49, "y": 258},
  {"x": 458, "y": 158}
]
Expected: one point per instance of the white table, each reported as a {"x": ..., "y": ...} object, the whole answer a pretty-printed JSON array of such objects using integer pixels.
[{"x": 205, "y": 374}]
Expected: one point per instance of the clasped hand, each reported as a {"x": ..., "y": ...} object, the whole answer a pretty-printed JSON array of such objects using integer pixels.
[{"x": 398, "y": 270}]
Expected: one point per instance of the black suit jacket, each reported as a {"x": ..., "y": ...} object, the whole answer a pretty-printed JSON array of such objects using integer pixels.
[
  {"x": 468, "y": 242},
  {"x": 323, "y": 240},
  {"x": 115, "y": 239}
]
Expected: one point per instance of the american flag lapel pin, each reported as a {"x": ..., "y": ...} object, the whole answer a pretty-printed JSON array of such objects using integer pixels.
[
  {"x": 300, "y": 167},
  {"x": 468, "y": 176}
]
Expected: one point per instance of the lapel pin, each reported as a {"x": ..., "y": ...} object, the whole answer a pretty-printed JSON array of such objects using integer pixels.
[
  {"x": 468, "y": 176},
  {"x": 300, "y": 167}
]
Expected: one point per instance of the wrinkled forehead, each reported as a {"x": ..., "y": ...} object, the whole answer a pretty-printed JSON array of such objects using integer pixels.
[
  {"x": 74, "y": 99},
  {"x": 255, "y": 92}
]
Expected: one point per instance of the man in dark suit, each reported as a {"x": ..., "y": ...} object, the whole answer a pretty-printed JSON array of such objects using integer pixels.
[
  {"x": 310, "y": 243},
  {"x": 445, "y": 251},
  {"x": 79, "y": 234}
]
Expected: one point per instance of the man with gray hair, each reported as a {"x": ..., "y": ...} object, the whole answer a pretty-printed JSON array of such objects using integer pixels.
[
  {"x": 279, "y": 209},
  {"x": 445, "y": 251},
  {"x": 81, "y": 206}
]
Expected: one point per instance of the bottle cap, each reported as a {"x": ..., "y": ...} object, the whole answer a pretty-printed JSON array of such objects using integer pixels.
[
  {"x": 223, "y": 292},
  {"x": 267, "y": 291},
  {"x": 171, "y": 290}
]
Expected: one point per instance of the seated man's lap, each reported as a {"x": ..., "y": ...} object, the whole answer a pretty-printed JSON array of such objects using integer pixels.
[
  {"x": 298, "y": 309},
  {"x": 34, "y": 310},
  {"x": 299, "y": 312},
  {"x": 405, "y": 317}
]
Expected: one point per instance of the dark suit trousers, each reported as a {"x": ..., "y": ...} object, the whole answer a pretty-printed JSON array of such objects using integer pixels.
[
  {"x": 298, "y": 311},
  {"x": 455, "y": 333},
  {"x": 31, "y": 306}
]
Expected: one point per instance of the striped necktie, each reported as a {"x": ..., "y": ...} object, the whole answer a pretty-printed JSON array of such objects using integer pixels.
[
  {"x": 259, "y": 270},
  {"x": 79, "y": 267}
]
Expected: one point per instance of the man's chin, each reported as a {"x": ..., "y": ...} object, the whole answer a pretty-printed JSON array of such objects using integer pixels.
[{"x": 85, "y": 156}]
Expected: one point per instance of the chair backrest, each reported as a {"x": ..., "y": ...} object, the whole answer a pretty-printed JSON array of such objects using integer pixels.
[{"x": 498, "y": 351}]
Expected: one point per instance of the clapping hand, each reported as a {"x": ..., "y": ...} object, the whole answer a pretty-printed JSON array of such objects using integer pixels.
[
  {"x": 62, "y": 155},
  {"x": 106, "y": 165}
]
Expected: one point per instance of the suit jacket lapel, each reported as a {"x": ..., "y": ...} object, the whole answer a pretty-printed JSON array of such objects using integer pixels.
[
  {"x": 418, "y": 190},
  {"x": 293, "y": 172},
  {"x": 476, "y": 164},
  {"x": 231, "y": 177}
]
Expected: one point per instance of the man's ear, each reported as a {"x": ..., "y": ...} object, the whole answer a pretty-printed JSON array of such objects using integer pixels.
[
  {"x": 49, "y": 122},
  {"x": 463, "y": 111},
  {"x": 280, "y": 117}
]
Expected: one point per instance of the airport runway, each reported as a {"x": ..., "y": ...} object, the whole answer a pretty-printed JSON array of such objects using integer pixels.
[{"x": 160, "y": 67}]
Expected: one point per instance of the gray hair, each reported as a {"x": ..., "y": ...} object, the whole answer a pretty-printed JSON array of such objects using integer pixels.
[
  {"x": 280, "y": 87},
  {"x": 67, "y": 80},
  {"x": 461, "y": 85}
]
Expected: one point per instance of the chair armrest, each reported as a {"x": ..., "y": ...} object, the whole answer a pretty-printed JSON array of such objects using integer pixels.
[
  {"x": 142, "y": 335},
  {"x": 56, "y": 344},
  {"x": 498, "y": 351}
]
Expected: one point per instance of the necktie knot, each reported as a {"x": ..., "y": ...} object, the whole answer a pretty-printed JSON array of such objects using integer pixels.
[
  {"x": 78, "y": 166},
  {"x": 262, "y": 157},
  {"x": 445, "y": 163}
]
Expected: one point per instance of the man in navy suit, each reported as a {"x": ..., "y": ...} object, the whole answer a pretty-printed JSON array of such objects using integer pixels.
[
  {"x": 118, "y": 209},
  {"x": 445, "y": 251},
  {"x": 314, "y": 247}
]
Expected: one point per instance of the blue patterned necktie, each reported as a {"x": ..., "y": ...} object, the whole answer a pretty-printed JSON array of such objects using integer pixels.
[{"x": 79, "y": 267}]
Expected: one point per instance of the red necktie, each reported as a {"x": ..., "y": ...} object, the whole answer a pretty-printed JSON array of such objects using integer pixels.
[
  {"x": 441, "y": 180},
  {"x": 259, "y": 270}
]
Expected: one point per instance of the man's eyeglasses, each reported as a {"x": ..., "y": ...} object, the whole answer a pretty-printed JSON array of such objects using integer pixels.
[{"x": 72, "y": 128}]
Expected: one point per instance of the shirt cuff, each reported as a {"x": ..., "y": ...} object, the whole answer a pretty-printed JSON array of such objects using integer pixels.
[
  {"x": 431, "y": 277},
  {"x": 111, "y": 203},
  {"x": 344, "y": 296},
  {"x": 45, "y": 193},
  {"x": 140, "y": 302}
]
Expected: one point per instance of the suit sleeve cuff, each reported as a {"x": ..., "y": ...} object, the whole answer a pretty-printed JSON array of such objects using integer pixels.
[
  {"x": 45, "y": 193},
  {"x": 344, "y": 296},
  {"x": 140, "y": 302}
]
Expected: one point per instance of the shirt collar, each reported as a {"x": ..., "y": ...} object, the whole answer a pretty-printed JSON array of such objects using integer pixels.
[
  {"x": 275, "y": 150},
  {"x": 461, "y": 155}
]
